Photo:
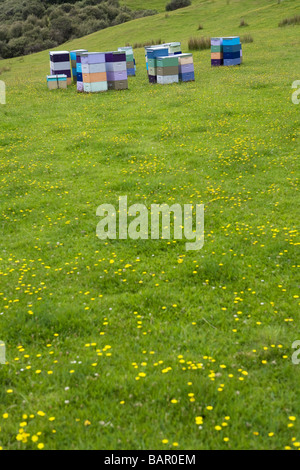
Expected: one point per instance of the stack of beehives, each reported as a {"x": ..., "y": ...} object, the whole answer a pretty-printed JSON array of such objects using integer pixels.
[
  {"x": 152, "y": 54},
  {"x": 73, "y": 56},
  {"x": 116, "y": 70},
  {"x": 216, "y": 52},
  {"x": 186, "y": 68},
  {"x": 57, "y": 81},
  {"x": 167, "y": 69},
  {"x": 174, "y": 47},
  {"x": 60, "y": 64},
  {"x": 80, "y": 86},
  {"x": 232, "y": 51},
  {"x": 160, "y": 66},
  {"x": 94, "y": 72},
  {"x": 130, "y": 61},
  {"x": 226, "y": 51}
]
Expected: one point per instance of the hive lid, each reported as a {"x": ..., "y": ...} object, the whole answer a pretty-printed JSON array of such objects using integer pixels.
[{"x": 59, "y": 52}]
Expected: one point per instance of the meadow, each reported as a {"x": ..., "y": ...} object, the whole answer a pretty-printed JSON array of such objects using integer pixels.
[{"x": 131, "y": 344}]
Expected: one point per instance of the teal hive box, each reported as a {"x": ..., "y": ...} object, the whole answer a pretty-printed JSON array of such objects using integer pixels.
[
  {"x": 167, "y": 61},
  {"x": 216, "y": 48}
]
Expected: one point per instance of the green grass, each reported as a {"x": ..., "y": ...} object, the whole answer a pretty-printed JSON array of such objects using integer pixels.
[
  {"x": 158, "y": 5},
  {"x": 120, "y": 308}
]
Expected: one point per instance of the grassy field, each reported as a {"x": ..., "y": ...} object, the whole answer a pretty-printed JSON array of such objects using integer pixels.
[
  {"x": 142, "y": 344},
  {"x": 158, "y": 5}
]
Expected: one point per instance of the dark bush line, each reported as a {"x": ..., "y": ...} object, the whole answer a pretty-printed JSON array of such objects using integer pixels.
[{"x": 36, "y": 25}]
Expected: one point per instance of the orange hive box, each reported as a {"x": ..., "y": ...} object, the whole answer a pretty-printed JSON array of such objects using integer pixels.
[{"x": 94, "y": 77}]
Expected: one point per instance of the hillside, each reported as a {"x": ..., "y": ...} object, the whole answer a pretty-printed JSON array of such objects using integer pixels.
[
  {"x": 140, "y": 344},
  {"x": 158, "y": 5}
]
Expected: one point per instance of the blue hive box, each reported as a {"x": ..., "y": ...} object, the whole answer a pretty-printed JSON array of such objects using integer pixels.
[
  {"x": 157, "y": 52},
  {"x": 187, "y": 77},
  {"x": 233, "y": 48},
  {"x": 229, "y": 62},
  {"x": 231, "y": 55},
  {"x": 231, "y": 41}
]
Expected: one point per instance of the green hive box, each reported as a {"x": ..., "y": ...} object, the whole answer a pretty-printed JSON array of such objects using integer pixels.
[
  {"x": 171, "y": 61},
  {"x": 216, "y": 48},
  {"x": 151, "y": 62}
]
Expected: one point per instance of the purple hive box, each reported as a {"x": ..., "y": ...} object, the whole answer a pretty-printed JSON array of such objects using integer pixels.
[
  {"x": 64, "y": 72},
  {"x": 216, "y": 62},
  {"x": 63, "y": 56},
  {"x": 115, "y": 57},
  {"x": 216, "y": 41},
  {"x": 152, "y": 78},
  {"x": 93, "y": 58},
  {"x": 187, "y": 68},
  {"x": 116, "y": 76},
  {"x": 80, "y": 86}
]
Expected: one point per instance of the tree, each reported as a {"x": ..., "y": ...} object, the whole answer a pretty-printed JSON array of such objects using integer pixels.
[{"x": 175, "y": 4}]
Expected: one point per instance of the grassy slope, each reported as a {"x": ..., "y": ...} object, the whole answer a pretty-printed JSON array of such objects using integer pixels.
[
  {"x": 229, "y": 140},
  {"x": 158, "y": 5}
]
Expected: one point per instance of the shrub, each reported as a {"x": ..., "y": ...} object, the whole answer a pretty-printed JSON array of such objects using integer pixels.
[
  {"x": 243, "y": 23},
  {"x": 67, "y": 7},
  {"x": 247, "y": 38},
  {"x": 63, "y": 26},
  {"x": 199, "y": 44},
  {"x": 143, "y": 13},
  {"x": 33, "y": 8},
  {"x": 4, "y": 69},
  {"x": 16, "y": 30},
  {"x": 290, "y": 21},
  {"x": 4, "y": 33},
  {"x": 175, "y": 4},
  {"x": 121, "y": 18},
  {"x": 16, "y": 46},
  {"x": 153, "y": 42}
]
